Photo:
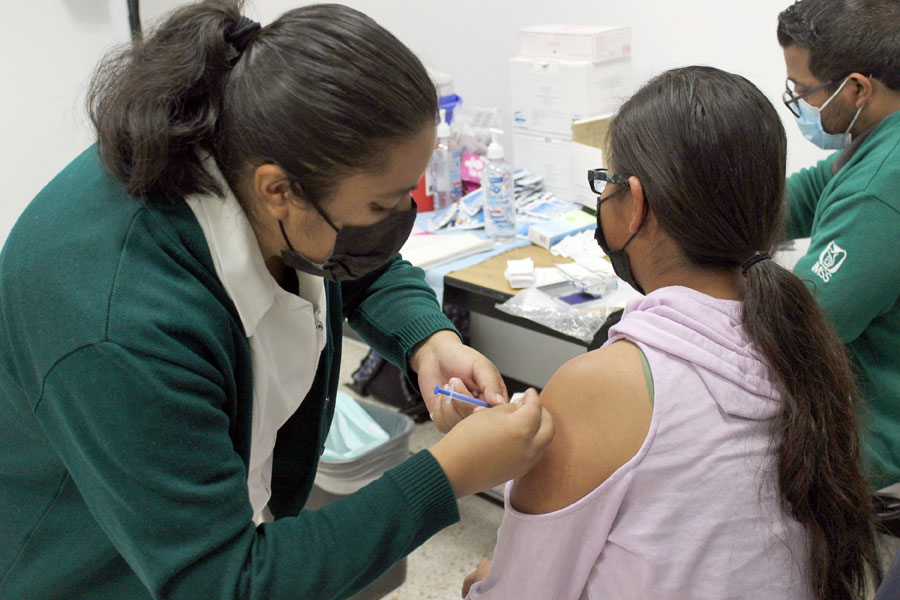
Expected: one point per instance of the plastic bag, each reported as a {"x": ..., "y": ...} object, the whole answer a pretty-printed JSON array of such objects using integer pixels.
[
  {"x": 353, "y": 431},
  {"x": 533, "y": 304},
  {"x": 472, "y": 127}
]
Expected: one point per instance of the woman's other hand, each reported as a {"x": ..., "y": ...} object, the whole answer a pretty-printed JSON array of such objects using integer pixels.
[{"x": 494, "y": 445}]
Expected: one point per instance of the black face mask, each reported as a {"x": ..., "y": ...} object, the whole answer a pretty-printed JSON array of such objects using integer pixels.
[
  {"x": 618, "y": 258},
  {"x": 358, "y": 250}
]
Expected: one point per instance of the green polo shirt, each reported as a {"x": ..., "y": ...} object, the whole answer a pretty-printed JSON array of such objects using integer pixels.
[{"x": 849, "y": 207}]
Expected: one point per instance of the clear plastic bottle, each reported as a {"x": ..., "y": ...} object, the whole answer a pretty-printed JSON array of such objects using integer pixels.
[
  {"x": 499, "y": 198},
  {"x": 445, "y": 168}
]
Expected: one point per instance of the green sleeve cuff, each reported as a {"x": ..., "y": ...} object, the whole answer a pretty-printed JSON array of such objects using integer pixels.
[
  {"x": 417, "y": 331},
  {"x": 427, "y": 491}
]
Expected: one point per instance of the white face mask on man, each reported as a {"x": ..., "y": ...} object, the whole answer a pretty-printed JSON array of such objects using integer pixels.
[{"x": 810, "y": 122}]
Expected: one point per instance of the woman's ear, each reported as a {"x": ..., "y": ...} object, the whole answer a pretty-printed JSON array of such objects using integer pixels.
[
  {"x": 273, "y": 191},
  {"x": 638, "y": 203}
]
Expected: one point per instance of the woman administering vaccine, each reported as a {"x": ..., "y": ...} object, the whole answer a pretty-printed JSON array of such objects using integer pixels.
[{"x": 172, "y": 305}]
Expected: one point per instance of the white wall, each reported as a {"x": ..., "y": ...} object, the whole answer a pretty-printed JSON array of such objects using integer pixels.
[{"x": 49, "y": 48}]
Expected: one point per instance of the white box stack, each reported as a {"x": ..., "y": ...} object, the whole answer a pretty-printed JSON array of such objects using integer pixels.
[
  {"x": 548, "y": 94},
  {"x": 565, "y": 73}
]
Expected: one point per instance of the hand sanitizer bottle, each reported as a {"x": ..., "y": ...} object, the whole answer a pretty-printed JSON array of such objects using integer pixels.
[
  {"x": 499, "y": 200},
  {"x": 445, "y": 171}
]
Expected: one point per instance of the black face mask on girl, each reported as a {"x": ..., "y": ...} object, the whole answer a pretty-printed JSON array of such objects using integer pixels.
[
  {"x": 358, "y": 250},
  {"x": 618, "y": 258}
]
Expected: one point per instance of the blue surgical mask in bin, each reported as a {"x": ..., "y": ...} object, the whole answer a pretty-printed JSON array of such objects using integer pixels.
[{"x": 353, "y": 431}]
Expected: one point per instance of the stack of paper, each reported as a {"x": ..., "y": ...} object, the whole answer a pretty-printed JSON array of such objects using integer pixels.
[
  {"x": 429, "y": 250},
  {"x": 520, "y": 273}
]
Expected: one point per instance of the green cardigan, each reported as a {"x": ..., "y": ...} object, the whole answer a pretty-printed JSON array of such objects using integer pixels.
[
  {"x": 849, "y": 207},
  {"x": 126, "y": 408}
]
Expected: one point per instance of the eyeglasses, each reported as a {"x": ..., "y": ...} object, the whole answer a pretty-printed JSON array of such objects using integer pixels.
[
  {"x": 791, "y": 97},
  {"x": 598, "y": 178}
]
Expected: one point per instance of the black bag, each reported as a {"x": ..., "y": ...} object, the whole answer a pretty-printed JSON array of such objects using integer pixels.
[
  {"x": 386, "y": 383},
  {"x": 603, "y": 333}
]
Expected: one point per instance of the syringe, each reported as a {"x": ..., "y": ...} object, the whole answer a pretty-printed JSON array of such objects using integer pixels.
[{"x": 462, "y": 397}]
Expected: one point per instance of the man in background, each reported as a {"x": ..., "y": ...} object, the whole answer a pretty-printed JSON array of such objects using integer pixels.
[{"x": 843, "y": 85}]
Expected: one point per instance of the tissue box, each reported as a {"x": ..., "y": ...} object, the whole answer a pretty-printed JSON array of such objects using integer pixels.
[
  {"x": 549, "y": 233},
  {"x": 548, "y": 95},
  {"x": 580, "y": 42}
]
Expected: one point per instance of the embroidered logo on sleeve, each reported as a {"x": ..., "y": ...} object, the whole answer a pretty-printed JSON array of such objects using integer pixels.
[{"x": 829, "y": 262}]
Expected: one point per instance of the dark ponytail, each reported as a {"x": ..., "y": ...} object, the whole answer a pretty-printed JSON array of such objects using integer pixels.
[
  {"x": 710, "y": 152},
  {"x": 322, "y": 92},
  {"x": 153, "y": 104},
  {"x": 818, "y": 469}
]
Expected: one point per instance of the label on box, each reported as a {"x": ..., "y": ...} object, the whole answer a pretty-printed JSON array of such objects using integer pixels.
[
  {"x": 580, "y": 42},
  {"x": 548, "y": 95}
]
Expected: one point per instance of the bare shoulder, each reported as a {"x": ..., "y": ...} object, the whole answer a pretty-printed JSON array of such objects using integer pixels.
[{"x": 601, "y": 411}]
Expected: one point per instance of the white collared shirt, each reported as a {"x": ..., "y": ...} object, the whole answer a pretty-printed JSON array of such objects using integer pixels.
[{"x": 286, "y": 332}]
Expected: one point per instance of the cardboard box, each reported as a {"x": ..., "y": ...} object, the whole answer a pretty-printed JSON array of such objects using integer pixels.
[
  {"x": 578, "y": 42},
  {"x": 563, "y": 163},
  {"x": 548, "y": 95},
  {"x": 592, "y": 131}
]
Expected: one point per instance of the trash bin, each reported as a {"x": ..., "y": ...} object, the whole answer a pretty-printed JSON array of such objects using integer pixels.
[{"x": 338, "y": 478}]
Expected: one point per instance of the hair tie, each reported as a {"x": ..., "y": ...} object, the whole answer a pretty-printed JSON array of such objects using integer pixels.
[
  {"x": 241, "y": 33},
  {"x": 757, "y": 257}
]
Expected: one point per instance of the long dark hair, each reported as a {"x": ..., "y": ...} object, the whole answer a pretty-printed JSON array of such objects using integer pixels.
[
  {"x": 321, "y": 92},
  {"x": 709, "y": 150}
]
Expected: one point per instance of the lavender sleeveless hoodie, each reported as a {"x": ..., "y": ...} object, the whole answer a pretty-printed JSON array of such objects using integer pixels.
[{"x": 695, "y": 513}]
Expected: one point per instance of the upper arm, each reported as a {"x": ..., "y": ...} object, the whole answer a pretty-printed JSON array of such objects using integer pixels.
[
  {"x": 851, "y": 263},
  {"x": 601, "y": 412},
  {"x": 393, "y": 309},
  {"x": 147, "y": 443},
  {"x": 390, "y": 282},
  {"x": 802, "y": 191}
]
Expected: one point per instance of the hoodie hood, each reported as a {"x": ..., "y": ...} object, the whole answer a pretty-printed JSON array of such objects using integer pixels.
[{"x": 708, "y": 333}]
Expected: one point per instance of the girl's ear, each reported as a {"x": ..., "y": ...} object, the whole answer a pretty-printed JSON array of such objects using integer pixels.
[{"x": 639, "y": 204}]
